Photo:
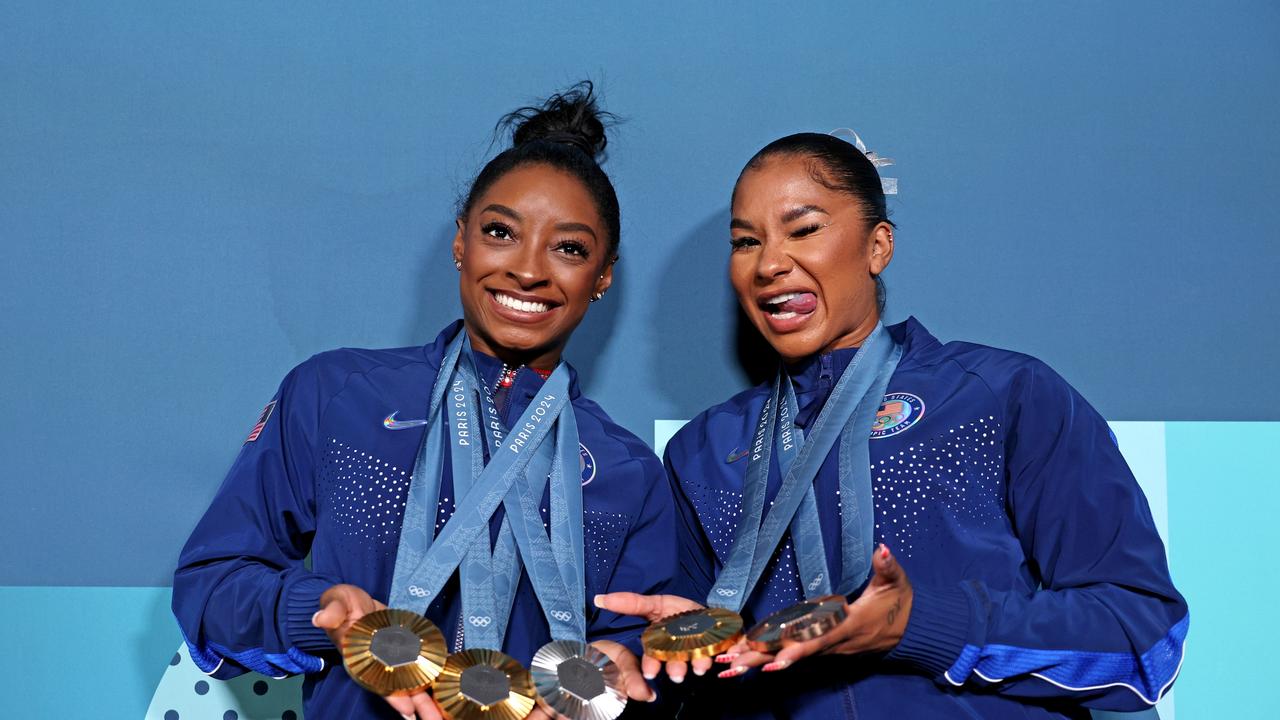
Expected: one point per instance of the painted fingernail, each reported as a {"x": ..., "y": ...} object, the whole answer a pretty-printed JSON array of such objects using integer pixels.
[
  {"x": 775, "y": 665},
  {"x": 884, "y": 551},
  {"x": 648, "y": 676},
  {"x": 699, "y": 670},
  {"x": 677, "y": 679},
  {"x": 598, "y": 601},
  {"x": 726, "y": 658},
  {"x": 313, "y": 618},
  {"x": 652, "y": 696},
  {"x": 409, "y": 717},
  {"x": 733, "y": 672}
]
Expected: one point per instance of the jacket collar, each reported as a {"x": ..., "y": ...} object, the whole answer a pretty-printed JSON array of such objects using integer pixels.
[
  {"x": 527, "y": 383},
  {"x": 815, "y": 376}
]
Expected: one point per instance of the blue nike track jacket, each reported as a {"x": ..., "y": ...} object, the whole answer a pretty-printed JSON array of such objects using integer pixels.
[
  {"x": 1041, "y": 584},
  {"x": 326, "y": 474}
]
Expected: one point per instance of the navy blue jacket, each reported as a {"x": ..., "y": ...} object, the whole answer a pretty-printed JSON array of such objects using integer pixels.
[
  {"x": 327, "y": 477},
  {"x": 1041, "y": 585}
]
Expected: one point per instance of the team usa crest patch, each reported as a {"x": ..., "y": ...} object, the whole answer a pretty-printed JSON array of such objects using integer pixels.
[
  {"x": 897, "y": 413},
  {"x": 586, "y": 464},
  {"x": 262, "y": 422}
]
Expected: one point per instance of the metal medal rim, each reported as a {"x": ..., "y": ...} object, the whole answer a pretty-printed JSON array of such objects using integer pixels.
[
  {"x": 448, "y": 692},
  {"x": 370, "y": 673},
  {"x": 662, "y": 645},
  {"x": 823, "y": 615},
  {"x": 544, "y": 669}
]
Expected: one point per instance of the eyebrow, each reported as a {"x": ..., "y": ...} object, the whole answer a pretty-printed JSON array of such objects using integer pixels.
[
  {"x": 788, "y": 216},
  {"x": 503, "y": 210},
  {"x": 562, "y": 227},
  {"x": 576, "y": 227},
  {"x": 799, "y": 212}
]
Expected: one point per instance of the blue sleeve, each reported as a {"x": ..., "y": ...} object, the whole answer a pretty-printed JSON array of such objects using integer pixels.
[
  {"x": 1106, "y": 626},
  {"x": 241, "y": 593},
  {"x": 647, "y": 562}
]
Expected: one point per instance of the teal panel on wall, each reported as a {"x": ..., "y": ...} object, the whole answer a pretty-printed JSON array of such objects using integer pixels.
[
  {"x": 1224, "y": 487},
  {"x": 114, "y": 644}
]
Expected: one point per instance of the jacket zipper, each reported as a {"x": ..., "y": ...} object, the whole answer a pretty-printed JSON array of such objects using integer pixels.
[{"x": 457, "y": 639}]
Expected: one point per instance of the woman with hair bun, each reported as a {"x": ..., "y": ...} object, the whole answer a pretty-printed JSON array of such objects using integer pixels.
[
  {"x": 995, "y": 555},
  {"x": 364, "y": 458}
]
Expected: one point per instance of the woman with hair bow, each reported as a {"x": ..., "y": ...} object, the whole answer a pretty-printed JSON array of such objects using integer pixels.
[{"x": 996, "y": 556}]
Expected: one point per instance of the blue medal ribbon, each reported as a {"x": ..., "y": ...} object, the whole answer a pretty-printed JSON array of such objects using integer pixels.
[
  {"x": 848, "y": 413},
  {"x": 516, "y": 474}
]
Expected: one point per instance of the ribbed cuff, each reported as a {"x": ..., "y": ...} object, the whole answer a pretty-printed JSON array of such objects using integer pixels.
[
  {"x": 936, "y": 631},
  {"x": 301, "y": 604}
]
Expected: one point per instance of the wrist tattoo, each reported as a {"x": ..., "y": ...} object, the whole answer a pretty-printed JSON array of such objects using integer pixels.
[{"x": 893, "y": 611}]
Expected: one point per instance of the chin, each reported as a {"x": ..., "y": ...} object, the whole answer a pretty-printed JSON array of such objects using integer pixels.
[{"x": 793, "y": 346}]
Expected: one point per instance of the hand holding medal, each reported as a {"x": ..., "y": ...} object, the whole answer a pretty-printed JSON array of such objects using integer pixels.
[
  {"x": 874, "y": 622},
  {"x": 654, "y": 608}
]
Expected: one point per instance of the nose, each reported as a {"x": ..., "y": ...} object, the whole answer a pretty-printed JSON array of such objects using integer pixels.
[
  {"x": 772, "y": 262},
  {"x": 529, "y": 266}
]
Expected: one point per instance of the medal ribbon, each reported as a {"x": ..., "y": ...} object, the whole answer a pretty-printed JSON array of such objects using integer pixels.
[
  {"x": 555, "y": 564},
  {"x": 851, "y": 406},
  {"x": 425, "y": 561}
]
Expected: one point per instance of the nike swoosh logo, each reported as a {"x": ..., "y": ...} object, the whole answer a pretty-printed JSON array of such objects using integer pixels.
[
  {"x": 735, "y": 456},
  {"x": 391, "y": 423}
]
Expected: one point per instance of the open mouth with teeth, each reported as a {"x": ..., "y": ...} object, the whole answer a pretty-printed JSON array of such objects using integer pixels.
[
  {"x": 526, "y": 307},
  {"x": 789, "y": 305}
]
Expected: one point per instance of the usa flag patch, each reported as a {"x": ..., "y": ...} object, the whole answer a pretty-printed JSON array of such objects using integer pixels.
[{"x": 262, "y": 421}]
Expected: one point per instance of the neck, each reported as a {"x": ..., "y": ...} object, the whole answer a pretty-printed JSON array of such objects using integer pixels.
[
  {"x": 855, "y": 337},
  {"x": 543, "y": 360}
]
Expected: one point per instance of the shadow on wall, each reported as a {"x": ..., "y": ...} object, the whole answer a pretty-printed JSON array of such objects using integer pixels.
[
  {"x": 706, "y": 350},
  {"x": 437, "y": 287}
]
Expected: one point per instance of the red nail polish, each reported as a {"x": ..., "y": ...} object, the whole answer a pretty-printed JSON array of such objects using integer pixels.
[
  {"x": 774, "y": 666},
  {"x": 726, "y": 657}
]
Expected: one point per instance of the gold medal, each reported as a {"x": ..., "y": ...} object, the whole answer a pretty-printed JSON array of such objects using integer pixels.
[
  {"x": 692, "y": 634},
  {"x": 802, "y": 621},
  {"x": 393, "y": 652},
  {"x": 484, "y": 685},
  {"x": 578, "y": 681}
]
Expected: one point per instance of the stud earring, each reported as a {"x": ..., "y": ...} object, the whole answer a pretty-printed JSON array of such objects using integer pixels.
[{"x": 457, "y": 263}]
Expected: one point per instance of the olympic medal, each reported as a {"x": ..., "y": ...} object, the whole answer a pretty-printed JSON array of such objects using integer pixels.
[
  {"x": 578, "y": 681},
  {"x": 802, "y": 621},
  {"x": 393, "y": 652},
  {"x": 692, "y": 634},
  {"x": 484, "y": 685}
]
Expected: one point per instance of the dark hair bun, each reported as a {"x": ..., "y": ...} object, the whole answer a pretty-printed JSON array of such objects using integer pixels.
[{"x": 570, "y": 118}]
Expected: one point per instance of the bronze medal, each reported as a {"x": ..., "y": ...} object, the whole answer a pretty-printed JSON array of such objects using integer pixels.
[{"x": 802, "y": 621}]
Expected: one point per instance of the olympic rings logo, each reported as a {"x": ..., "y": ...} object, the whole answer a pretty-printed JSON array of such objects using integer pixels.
[
  {"x": 726, "y": 592},
  {"x": 561, "y": 615},
  {"x": 417, "y": 592},
  {"x": 480, "y": 621}
]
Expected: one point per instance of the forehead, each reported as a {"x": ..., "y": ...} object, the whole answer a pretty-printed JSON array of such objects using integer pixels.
[
  {"x": 781, "y": 182},
  {"x": 543, "y": 190}
]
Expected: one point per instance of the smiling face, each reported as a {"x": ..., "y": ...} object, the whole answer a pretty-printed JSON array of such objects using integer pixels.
[
  {"x": 804, "y": 258},
  {"x": 533, "y": 250}
]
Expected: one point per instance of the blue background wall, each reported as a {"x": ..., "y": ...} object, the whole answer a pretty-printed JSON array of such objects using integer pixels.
[{"x": 195, "y": 197}]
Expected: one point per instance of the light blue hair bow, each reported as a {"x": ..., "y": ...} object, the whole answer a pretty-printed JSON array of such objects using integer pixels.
[{"x": 889, "y": 185}]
